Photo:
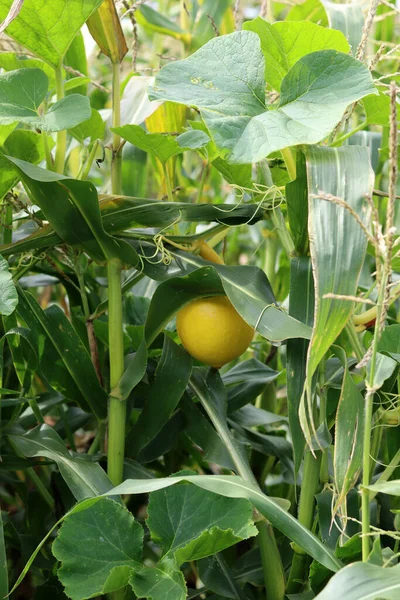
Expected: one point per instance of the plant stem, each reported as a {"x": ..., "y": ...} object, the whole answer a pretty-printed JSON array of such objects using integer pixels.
[
  {"x": 88, "y": 165},
  {"x": 305, "y": 516},
  {"x": 49, "y": 158},
  {"x": 61, "y": 147},
  {"x": 344, "y": 137},
  {"x": 117, "y": 408},
  {"x": 290, "y": 162},
  {"x": 116, "y": 163},
  {"x": 168, "y": 183},
  {"x": 354, "y": 340}
]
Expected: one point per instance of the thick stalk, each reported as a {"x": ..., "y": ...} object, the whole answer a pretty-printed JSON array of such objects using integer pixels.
[
  {"x": 290, "y": 162},
  {"x": 305, "y": 516},
  {"x": 117, "y": 408},
  {"x": 61, "y": 146}
]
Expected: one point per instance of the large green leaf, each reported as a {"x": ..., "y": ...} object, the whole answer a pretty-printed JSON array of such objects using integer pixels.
[
  {"x": 363, "y": 581},
  {"x": 121, "y": 212},
  {"x": 64, "y": 360},
  {"x": 3, "y": 563},
  {"x": 310, "y": 10},
  {"x": 84, "y": 477},
  {"x": 71, "y": 206},
  {"x": 234, "y": 487},
  {"x": 337, "y": 244},
  {"x": 8, "y": 292},
  {"x": 285, "y": 42},
  {"x": 23, "y": 91},
  {"x": 387, "y": 487},
  {"x": 48, "y": 28},
  {"x": 190, "y": 523},
  {"x": 11, "y": 61},
  {"x": 163, "y": 582},
  {"x": 98, "y": 547},
  {"x": 225, "y": 80}
]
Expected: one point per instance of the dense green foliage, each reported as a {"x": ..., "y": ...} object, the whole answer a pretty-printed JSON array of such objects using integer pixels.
[{"x": 267, "y": 130}]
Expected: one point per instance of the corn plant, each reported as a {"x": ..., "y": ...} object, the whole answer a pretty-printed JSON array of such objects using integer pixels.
[{"x": 158, "y": 154}]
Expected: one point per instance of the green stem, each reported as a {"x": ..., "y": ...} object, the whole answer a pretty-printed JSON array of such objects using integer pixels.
[
  {"x": 305, "y": 516},
  {"x": 97, "y": 442},
  {"x": 368, "y": 410},
  {"x": 117, "y": 408},
  {"x": 290, "y": 162},
  {"x": 354, "y": 340},
  {"x": 387, "y": 473},
  {"x": 88, "y": 165},
  {"x": 271, "y": 252},
  {"x": 116, "y": 164},
  {"x": 278, "y": 221},
  {"x": 49, "y": 158},
  {"x": 168, "y": 183},
  {"x": 346, "y": 136},
  {"x": 61, "y": 146}
]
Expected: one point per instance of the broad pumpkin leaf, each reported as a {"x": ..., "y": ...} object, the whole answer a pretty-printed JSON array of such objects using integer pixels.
[
  {"x": 8, "y": 292},
  {"x": 162, "y": 146},
  {"x": 84, "y": 477},
  {"x": 163, "y": 582},
  {"x": 48, "y": 28},
  {"x": 363, "y": 581},
  {"x": 92, "y": 128},
  {"x": 310, "y": 10},
  {"x": 337, "y": 245},
  {"x": 225, "y": 81},
  {"x": 233, "y": 486},
  {"x": 97, "y": 548},
  {"x": 23, "y": 91},
  {"x": 11, "y": 61},
  {"x": 285, "y": 42},
  {"x": 172, "y": 509},
  {"x": 64, "y": 360}
]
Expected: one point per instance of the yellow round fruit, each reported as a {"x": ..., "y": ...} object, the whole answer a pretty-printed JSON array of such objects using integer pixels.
[{"x": 212, "y": 331}]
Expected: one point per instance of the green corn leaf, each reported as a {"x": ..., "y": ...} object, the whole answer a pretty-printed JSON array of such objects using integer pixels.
[
  {"x": 84, "y": 477},
  {"x": 363, "y": 581},
  {"x": 71, "y": 206},
  {"x": 347, "y": 18},
  {"x": 64, "y": 361},
  {"x": 338, "y": 247},
  {"x": 171, "y": 378}
]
